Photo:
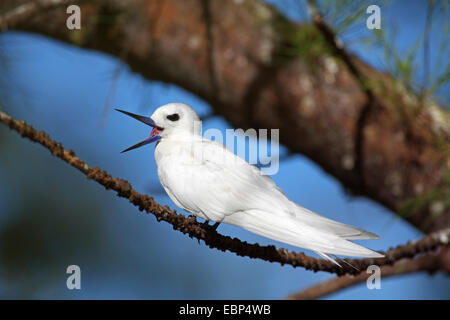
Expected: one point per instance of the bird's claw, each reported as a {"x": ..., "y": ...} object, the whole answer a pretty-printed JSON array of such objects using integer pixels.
[{"x": 214, "y": 226}]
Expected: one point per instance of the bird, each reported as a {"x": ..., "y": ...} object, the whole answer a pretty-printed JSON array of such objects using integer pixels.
[{"x": 209, "y": 181}]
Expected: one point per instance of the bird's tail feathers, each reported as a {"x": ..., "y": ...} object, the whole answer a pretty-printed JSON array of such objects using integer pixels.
[
  {"x": 307, "y": 234},
  {"x": 327, "y": 257},
  {"x": 337, "y": 228}
]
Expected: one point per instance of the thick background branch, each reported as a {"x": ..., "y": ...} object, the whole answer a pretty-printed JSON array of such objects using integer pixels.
[
  {"x": 233, "y": 55},
  {"x": 19, "y": 13},
  {"x": 207, "y": 233}
]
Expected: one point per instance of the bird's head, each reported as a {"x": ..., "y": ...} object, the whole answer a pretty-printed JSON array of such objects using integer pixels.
[{"x": 168, "y": 120}]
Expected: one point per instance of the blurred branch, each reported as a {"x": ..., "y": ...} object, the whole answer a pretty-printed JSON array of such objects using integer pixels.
[
  {"x": 207, "y": 233},
  {"x": 111, "y": 93},
  {"x": 339, "y": 50},
  {"x": 26, "y": 10},
  {"x": 430, "y": 262}
]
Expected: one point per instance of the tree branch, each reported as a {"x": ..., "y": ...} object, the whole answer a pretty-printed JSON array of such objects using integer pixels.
[
  {"x": 24, "y": 11},
  {"x": 192, "y": 228},
  {"x": 371, "y": 101},
  {"x": 430, "y": 262}
]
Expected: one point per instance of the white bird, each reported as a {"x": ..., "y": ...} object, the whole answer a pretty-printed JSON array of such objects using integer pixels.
[{"x": 209, "y": 181}]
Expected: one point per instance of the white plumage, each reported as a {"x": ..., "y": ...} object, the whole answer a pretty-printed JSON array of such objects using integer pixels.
[{"x": 209, "y": 181}]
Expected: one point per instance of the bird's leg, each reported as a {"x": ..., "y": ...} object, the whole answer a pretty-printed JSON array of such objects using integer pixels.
[
  {"x": 216, "y": 225},
  {"x": 206, "y": 223}
]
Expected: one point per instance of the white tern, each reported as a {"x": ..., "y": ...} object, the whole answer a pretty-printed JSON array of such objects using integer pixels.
[{"x": 209, "y": 181}]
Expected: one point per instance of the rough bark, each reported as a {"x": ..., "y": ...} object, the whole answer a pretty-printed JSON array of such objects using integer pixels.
[{"x": 237, "y": 55}]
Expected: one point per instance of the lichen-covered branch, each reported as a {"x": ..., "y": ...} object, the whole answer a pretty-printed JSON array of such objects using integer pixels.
[
  {"x": 257, "y": 69},
  {"x": 191, "y": 227},
  {"x": 430, "y": 262}
]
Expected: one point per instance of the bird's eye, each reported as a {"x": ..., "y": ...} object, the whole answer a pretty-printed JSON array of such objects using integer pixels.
[{"x": 173, "y": 117}]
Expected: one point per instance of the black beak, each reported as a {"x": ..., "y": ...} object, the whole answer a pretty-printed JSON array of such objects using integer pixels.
[
  {"x": 143, "y": 119},
  {"x": 154, "y": 136}
]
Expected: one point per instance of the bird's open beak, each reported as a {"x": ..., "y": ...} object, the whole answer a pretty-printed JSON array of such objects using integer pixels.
[{"x": 154, "y": 136}]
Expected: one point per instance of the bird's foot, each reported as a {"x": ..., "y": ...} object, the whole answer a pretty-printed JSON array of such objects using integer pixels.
[
  {"x": 214, "y": 226},
  {"x": 207, "y": 225}
]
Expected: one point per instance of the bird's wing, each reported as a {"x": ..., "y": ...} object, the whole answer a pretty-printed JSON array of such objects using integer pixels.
[
  {"x": 217, "y": 183},
  {"x": 274, "y": 198},
  {"x": 296, "y": 232},
  {"x": 223, "y": 187}
]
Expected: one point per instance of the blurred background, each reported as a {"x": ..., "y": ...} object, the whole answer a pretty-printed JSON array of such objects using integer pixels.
[{"x": 51, "y": 216}]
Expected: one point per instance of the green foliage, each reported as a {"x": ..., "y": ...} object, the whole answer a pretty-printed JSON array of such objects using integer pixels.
[
  {"x": 306, "y": 42},
  {"x": 438, "y": 196},
  {"x": 411, "y": 65},
  {"x": 344, "y": 15}
]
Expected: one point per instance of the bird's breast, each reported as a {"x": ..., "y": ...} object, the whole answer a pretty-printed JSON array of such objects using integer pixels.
[{"x": 175, "y": 152}]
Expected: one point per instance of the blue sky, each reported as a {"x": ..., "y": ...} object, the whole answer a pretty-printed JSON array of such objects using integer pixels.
[{"x": 63, "y": 90}]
